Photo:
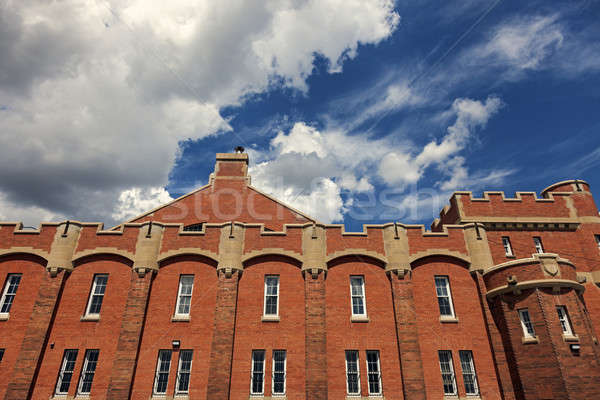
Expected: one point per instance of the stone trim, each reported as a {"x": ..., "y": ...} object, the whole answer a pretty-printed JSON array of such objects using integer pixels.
[
  {"x": 357, "y": 252},
  {"x": 103, "y": 250},
  {"x": 272, "y": 251},
  {"x": 535, "y": 258},
  {"x": 520, "y": 286},
  {"x": 568, "y": 181},
  {"x": 192, "y": 251},
  {"x": 439, "y": 252},
  {"x": 25, "y": 250}
]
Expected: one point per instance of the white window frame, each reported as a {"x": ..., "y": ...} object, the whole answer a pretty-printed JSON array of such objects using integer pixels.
[
  {"x": 63, "y": 370},
  {"x": 253, "y": 371},
  {"x": 377, "y": 373},
  {"x": 266, "y": 294},
  {"x": 168, "y": 372},
  {"x": 357, "y": 393},
  {"x": 539, "y": 247},
  {"x": 181, "y": 371},
  {"x": 181, "y": 295},
  {"x": 93, "y": 294},
  {"x": 467, "y": 361},
  {"x": 508, "y": 250},
  {"x": 7, "y": 285},
  {"x": 446, "y": 280},
  {"x": 284, "y": 374},
  {"x": 565, "y": 323},
  {"x": 450, "y": 371},
  {"x": 360, "y": 296},
  {"x": 526, "y": 323},
  {"x": 84, "y": 371},
  {"x": 597, "y": 237}
]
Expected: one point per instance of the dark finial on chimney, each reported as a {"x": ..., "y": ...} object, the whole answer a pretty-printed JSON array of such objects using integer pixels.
[{"x": 239, "y": 149}]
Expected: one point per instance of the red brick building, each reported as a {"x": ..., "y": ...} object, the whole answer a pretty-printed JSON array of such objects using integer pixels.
[{"x": 226, "y": 293}]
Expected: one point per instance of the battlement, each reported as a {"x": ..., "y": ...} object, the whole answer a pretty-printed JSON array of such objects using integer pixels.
[{"x": 563, "y": 202}]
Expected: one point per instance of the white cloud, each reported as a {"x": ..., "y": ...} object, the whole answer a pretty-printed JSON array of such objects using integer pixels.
[
  {"x": 95, "y": 96},
  {"x": 523, "y": 43},
  {"x": 311, "y": 169},
  {"x": 135, "y": 201},
  {"x": 470, "y": 114}
]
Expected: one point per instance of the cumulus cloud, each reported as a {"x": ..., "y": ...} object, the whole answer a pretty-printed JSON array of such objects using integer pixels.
[
  {"x": 321, "y": 171},
  {"x": 470, "y": 114},
  {"x": 95, "y": 96},
  {"x": 135, "y": 201}
]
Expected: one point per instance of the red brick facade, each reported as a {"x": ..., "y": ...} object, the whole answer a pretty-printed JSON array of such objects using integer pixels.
[{"x": 189, "y": 280}]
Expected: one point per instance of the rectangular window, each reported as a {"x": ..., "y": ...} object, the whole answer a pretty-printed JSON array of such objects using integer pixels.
[
  {"x": 442, "y": 289},
  {"x": 526, "y": 324},
  {"x": 357, "y": 292},
  {"x": 271, "y": 295},
  {"x": 258, "y": 372},
  {"x": 66, "y": 371},
  {"x": 184, "y": 296},
  {"x": 563, "y": 317},
  {"x": 163, "y": 366},
  {"x": 507, "y": 247},
  {"x": 97, "y": 294},
  {"x": 1, "y": 354},
  {"x": 537, "y": 241},
  {"x": 184, "y": 371},
  {"x": 279, "y": 364},
  {"x": 10, "y": 290},
  {"x": 448, "y": 378},
  {"x": 468, "y": 371},
  {"x": 88, "y": 371},
  {"x": 373, "y": 373},
  {"x": 597, "y": 240},
  {"x": 352, "y": 373}
]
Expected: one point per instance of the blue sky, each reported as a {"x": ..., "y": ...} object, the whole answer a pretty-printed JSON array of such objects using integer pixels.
[{"x": 355, "y": 112}]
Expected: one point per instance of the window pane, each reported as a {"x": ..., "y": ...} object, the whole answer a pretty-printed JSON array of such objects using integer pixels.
[
  {"x": 258, "y": 359},
  {"x": 162, "y": 371},
  {"x": 10, "y": 289},
  {"x": 279, "y": 371},
  {"x": 184, "y": 371},
  {"x": 352, "y": 372}
]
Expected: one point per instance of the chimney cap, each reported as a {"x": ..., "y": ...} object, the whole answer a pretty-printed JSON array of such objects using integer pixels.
[{"x": 239, "y": 149}]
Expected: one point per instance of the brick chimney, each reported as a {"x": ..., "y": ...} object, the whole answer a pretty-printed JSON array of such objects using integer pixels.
[{"x": 232, "y": 165}]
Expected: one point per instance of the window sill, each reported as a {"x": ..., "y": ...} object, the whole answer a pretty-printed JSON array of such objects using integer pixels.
[
  {"x": 270, "y": 318},
  {"x": 359, "y": 318},
  {"x": 529, "y": 339},
  {"x": 571, "y": 338},
  {"x": 93, "y": 317},
  {"x": 180, "y": 318},
  {"x": 369, "y": 397},
  {"x": 513, "y": 256},
  {"x": 262, "y": 397},
  {"x": 448, "y": 319},
  {"x": 4, "y": 316}
]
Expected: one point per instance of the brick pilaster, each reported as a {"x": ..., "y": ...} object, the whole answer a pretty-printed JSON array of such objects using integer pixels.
[
  {"x": 130, "y": 335},
  {"x": 496, "y": 344},
  {"x": 315, "y": 337},
  {"x": 221, "y": 352},
  {"x": 413, "y": 380},
  {"x": 31, "y": 353}
]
